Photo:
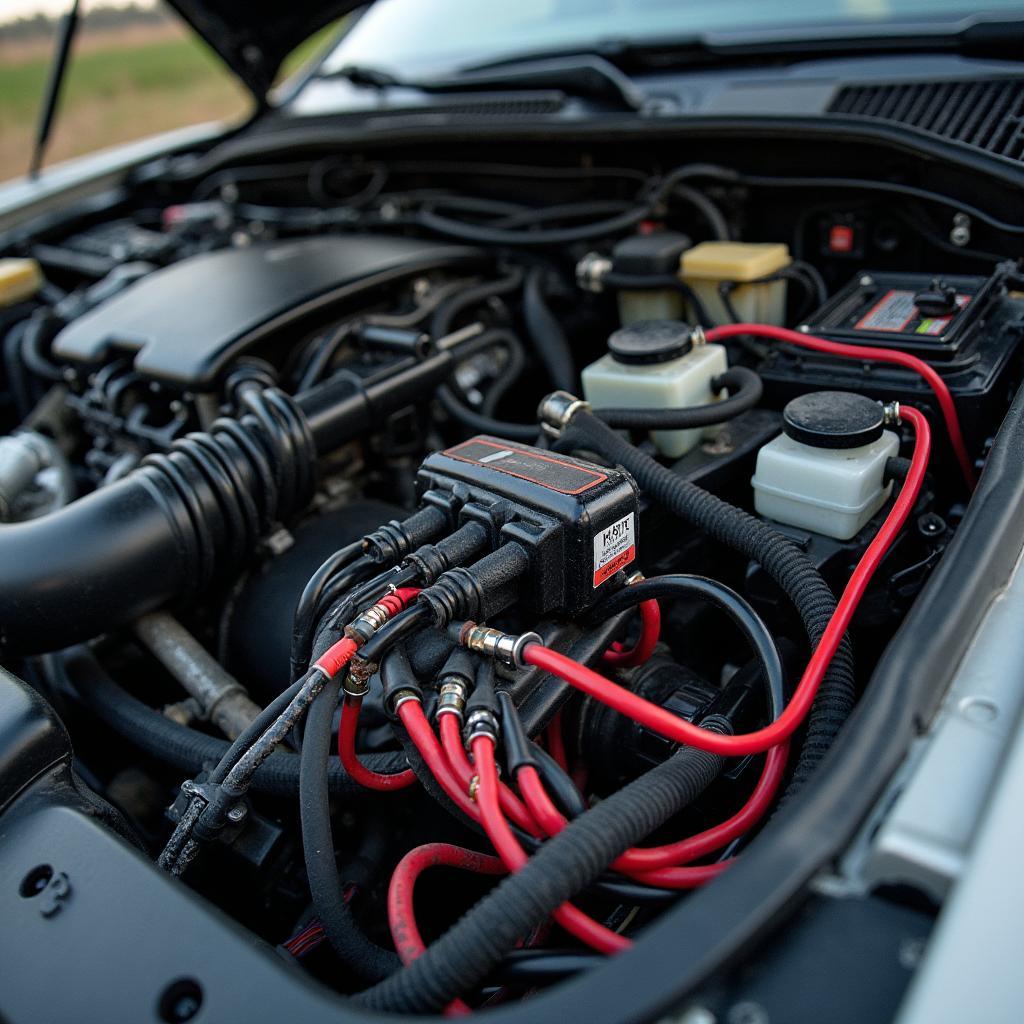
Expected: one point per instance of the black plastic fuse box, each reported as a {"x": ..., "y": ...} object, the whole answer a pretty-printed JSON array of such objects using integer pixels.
[{"x": 576, "y": 520}]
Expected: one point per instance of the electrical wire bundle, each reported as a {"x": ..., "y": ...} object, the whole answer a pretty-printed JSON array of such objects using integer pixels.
[{"x": 467, "y": 746}]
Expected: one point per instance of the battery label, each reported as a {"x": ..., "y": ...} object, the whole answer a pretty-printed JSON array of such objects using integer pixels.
[
  {"x": 614, "y": 548},
  {"x": 895, "y": 311},
  {"x": 528, "y": 464},
  {"x": 891, "y": 313}
]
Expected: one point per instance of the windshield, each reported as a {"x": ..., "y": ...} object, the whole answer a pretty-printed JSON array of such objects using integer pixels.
[{"x": 410, "y": 37}]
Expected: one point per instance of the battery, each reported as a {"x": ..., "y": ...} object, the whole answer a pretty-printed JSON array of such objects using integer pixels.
[
  {"x": 968, "y": 328},
  {"x": 929, "y": 316}
]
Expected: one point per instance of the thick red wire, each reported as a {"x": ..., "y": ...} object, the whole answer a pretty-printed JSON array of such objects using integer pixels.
[
  {"x": 867, "y": 353},
  {"x": 511, "y": 806},
  {"x": 410, "y": 713},
  {"x": 347, "y": 731},
  {"x": 401, "y": 916},
  {"x": 650, "y": 631},
  {"x": 666, "y": 724},
  {"x": 573, "y": 920}
]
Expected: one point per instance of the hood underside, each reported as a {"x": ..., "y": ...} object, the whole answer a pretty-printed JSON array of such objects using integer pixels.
[{"x": 254, "y": 36}]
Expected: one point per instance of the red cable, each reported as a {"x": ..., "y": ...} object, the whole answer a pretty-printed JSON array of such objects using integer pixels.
[
  {"x": 659, "y": 865},
  {"x": 336, "y": 657},
  {"x": 401, "y": 917},
  {"x": 411, "y": 715},
  {"x": 667, "y": 724},
  {"x": 867, "y": 353},
  {"x": 556, "y": 742},
  {"x": 511, "y": 806},
  {"x": 650, "y": 631},
  {"x": 350, "y": 761},
  {"x": 650, "y": 858},
  {"x": 569, "y": 917}
]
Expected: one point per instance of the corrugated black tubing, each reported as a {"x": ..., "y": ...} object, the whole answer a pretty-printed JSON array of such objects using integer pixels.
[
  {"x": 791, "y": 569},
  {"x": 464, "y": 956}
]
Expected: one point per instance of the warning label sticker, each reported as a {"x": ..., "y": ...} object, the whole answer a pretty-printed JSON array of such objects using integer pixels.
[
  {"x": 897, "y": 313},
  {"x": 614, "y": 548},
  {"x": 891, "y": 313}
]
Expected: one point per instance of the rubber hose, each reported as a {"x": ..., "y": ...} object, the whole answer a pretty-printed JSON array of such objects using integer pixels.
[
  {"x": 186, "y": 749},
  {"x": 464, "y": 956},
  {"x": 475, "y": 421},
  {"x": 745, "y": 391},
  {"x": 363, "y": 957},
  {"x": 790, "y": 567},
  {"x": 549, "y": 341}
]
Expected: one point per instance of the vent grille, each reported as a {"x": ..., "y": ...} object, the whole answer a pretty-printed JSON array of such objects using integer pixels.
[
  {"x": 986, "y": 115},
  {"x": 503, "y": 107}
]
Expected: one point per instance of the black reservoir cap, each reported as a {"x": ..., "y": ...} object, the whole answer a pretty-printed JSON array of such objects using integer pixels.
[
  {"x": 833, "y": 419},
  {"x": 652, "y": 255},
  {"x": 650, "y": 341}
]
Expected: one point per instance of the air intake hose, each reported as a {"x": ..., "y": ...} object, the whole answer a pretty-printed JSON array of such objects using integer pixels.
[{"x": 184, "y": 517}]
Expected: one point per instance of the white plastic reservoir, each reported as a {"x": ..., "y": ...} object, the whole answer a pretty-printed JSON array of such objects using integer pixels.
[
  {"x": 653, "y": 364},
  {"x": 827, "y": 472}
]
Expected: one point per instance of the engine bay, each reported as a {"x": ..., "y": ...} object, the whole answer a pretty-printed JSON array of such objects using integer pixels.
[{"x": 534, "y": 515}]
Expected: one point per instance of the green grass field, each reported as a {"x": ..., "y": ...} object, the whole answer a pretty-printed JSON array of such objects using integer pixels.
[{"x": 119, "y": 87}]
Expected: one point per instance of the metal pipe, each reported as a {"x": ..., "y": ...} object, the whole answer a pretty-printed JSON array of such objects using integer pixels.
[{"x": 223, "y": 699}]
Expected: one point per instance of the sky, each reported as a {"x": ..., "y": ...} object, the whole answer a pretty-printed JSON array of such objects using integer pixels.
[{"x": 12, "y": 9}]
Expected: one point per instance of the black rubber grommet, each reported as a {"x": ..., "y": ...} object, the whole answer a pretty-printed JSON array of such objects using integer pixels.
[
  {"x": 650, "y": 341},
  {"x": 833, "y": 419}
]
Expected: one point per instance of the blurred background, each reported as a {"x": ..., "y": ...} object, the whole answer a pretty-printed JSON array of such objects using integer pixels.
[{"x": 135, "y": 70}]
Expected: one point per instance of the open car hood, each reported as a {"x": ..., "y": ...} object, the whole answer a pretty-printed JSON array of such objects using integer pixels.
[{"x": 254, "y": 36}]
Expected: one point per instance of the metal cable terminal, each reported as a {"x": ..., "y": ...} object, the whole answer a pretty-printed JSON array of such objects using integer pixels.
[
  {"x": 557, "y": 410},
  {"x": 493, "y": 643},
  {"x": 891, "y": 414}
]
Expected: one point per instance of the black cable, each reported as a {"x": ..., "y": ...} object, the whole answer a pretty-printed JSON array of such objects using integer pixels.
[
  {"x": 780, "y": 558},
  {"x": 462, "y": 958},
  {"x": 708, "y": 210},
  {"x": 551, "y": 236},
  {"x": 79, "y": 673},
  {"x": 745, "y": 389},
  {"x": 749, "y": 623},
  {"x": 568, "y": 798},
  {"x": 361, "y": 956},
  {"x": 524, "y": 968},
  {"x": 253, "y": 731},
  {"x": 620, "y": 281},
  {"x": 309, "y": 600},
  {"x": 478, "y": 423},
  {"x": 546, "y": 334},
  {"x": 395, "y": 631}
]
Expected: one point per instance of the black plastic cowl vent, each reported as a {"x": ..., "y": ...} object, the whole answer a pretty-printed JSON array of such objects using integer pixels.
[{"x": 986, "y": 115}]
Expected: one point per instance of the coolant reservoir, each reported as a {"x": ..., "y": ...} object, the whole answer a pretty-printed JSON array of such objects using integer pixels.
[
  {"x": 653, "y": 364},
  {"x": 826, "y": 471},
  {"x": 706, "y": 266}
]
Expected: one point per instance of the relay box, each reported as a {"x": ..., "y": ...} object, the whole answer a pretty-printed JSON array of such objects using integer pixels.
[{"x": 577, "y": 520}]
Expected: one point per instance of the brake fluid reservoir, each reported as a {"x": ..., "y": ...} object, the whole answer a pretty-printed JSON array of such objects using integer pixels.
[
  {"x": 742, "y": 266},
  {"x": 653, "y": 364},
  {"x": 826, "y": 471}
]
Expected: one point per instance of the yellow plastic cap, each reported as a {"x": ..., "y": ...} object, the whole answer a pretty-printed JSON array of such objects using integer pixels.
[
  {"x": 20, "y": 279},
  {"x": 734, "y": 261}
]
